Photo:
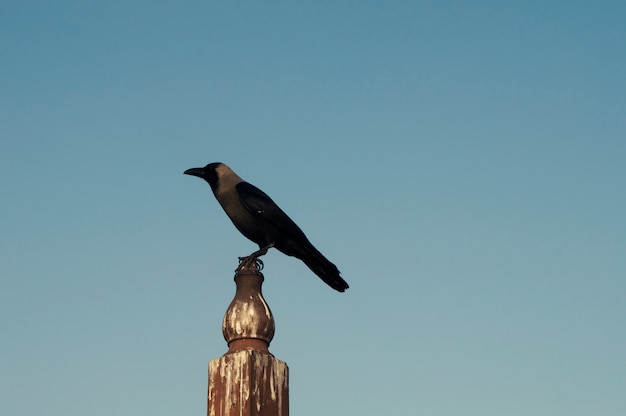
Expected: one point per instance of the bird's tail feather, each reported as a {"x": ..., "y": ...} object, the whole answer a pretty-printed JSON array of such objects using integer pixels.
[{"x": 324, "y": 269}]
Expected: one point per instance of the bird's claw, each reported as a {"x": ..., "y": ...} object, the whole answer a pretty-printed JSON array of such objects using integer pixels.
[{"x": 250, "y": 262}]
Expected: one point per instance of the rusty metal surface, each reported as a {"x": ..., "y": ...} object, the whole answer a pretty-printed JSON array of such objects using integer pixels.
[
  {"x": 248, "y": 380},
  {"x": 248, "y": 383},
  {"x": 248, "y": 317}
]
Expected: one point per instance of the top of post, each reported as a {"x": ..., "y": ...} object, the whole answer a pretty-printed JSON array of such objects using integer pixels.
[{"x": 248, "y": 322}]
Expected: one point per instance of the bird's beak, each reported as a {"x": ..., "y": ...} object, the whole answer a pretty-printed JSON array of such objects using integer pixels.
[{"x": 199, "y": 172}]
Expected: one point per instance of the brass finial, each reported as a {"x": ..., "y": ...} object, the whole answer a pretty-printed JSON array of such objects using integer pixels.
[{"x": 248, "y": 322}]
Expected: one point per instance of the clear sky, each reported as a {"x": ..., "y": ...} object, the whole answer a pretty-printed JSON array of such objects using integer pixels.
[{"x": 463, "y": 163}]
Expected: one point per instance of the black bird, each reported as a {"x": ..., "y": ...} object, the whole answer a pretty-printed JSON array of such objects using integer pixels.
[{"x": 258, "y": 218}]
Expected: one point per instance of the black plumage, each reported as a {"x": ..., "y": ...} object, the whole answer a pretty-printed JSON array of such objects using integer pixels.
[{"x": 258, "y": 218}]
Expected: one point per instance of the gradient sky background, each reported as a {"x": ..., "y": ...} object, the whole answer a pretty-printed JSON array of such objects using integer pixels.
[{"x": 463, "y": 163}]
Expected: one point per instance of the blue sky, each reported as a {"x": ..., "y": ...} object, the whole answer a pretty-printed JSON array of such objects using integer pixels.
[{"x": 462, "y": 164}]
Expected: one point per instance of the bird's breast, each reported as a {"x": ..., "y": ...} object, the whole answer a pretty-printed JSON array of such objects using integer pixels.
[{"x": 251, "y": 226}]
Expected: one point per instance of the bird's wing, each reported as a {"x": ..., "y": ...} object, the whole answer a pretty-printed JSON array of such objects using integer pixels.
[{"x": 258, "y": 203}]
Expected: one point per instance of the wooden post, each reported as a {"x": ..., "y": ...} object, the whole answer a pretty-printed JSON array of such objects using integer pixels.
[{"x": 248, "y": 380}]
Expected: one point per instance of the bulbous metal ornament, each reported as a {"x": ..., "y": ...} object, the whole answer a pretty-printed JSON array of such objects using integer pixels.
[{"x": 248, "y": 322}]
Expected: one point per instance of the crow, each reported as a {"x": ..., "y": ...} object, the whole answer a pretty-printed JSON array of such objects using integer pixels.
[{"x": 259, "y": 219}]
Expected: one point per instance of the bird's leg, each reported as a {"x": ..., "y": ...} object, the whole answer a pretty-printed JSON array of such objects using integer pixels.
[{"x": 246, "y": 262}]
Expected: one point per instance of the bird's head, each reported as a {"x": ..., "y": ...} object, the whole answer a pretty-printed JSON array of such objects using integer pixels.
[
  {"x": 210, "y": 173},
  {"x": 217, "y": 175}
]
